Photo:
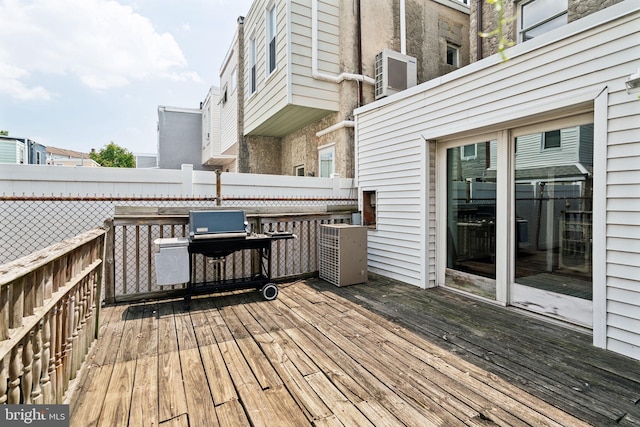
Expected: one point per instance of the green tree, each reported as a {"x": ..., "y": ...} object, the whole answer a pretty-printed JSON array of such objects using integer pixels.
[
  {"x": 114, "y": 156},
  {"x": 4, "y": 132}
]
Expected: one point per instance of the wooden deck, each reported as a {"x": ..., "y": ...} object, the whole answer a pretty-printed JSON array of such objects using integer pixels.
[{"x": 378, "y": 354}]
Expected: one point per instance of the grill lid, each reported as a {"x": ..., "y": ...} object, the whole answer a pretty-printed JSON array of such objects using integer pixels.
[{"x": 217, "y": 224}]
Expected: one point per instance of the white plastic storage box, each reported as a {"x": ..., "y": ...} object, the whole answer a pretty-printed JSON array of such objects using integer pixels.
[
  {"x": 343, "y": 254},
  {"x": 172, "y": 260}
]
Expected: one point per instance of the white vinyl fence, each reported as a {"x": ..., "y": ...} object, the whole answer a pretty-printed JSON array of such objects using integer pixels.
[{"x": 41, "y": 205}]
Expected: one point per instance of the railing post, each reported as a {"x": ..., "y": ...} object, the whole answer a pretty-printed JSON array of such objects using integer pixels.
[
  {"x": 187, "y": 180},
  {"x": 109, "y": 264},
  {"x": 336, "y": 184},
  {"x": 218, "y": 187}
]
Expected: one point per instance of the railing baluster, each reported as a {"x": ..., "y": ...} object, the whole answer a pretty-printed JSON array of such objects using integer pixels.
[
  {"x": 46, "y": 359},
  {"x": 27, "y": 374},
  {"x": 69, "y": 330},
  {"x": 76, "y": 332},
  {"x": 3, "y": 381},
  {"x": 4, "y": 313},
  {"x": 36, "y": 392},
  {"x": 14, "y": 377},
  {"x": 60, "y": 329}
]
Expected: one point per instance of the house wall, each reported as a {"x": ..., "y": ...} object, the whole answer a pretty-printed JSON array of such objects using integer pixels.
[
  {"x": 271, "y": 94},
  {"x": 264, "y": 154},
  {"x": 11, "y": 151},
  {"x": 585, "y": 65},
  {"x": 179, "y": 138},
  {"x": 313, "y": 102},
  {"x": 211, "y": 139},
  {"x": 531, "y": 155},
  {"x": 576, "y": 9},
  {"x": 229, "y": 125},
  {"x": 305, "y": 90}
]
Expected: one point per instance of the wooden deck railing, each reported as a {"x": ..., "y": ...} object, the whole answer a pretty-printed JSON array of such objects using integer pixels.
[
  {"x": 130, "y": 262},
  {"x": 49, "y": 303}
]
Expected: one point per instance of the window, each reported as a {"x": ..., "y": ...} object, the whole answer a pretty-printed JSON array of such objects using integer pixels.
[
  {"x": 252, "y": 65},
  {"x": 326, "y": 156},
  {"x": 540, "y": 16},
  {"x": 369, "y": 202},
  {"x": 271, "y": 39},
  {"x": 298, "y": 170},
  {"x": 469, "y": 152},
  {"x": 223, "y": 98},
  {"x": 453, "y": 55},
  {"x": 551, "y": 139}
]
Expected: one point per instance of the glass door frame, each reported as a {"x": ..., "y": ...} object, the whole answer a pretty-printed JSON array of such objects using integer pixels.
[
  {"x": 441, "y": 210},
  {"x": 565, "y": 308}
]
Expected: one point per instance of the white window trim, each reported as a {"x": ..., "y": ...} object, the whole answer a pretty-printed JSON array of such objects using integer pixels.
[
  {"x": 522, "y": 30},
  {"x": 271, "y": 6},
  {"x": 327, "y": 148},
  {"x": 457, "y": 58},
  {"x": 471, "y": 157},
  {"x": 505, "y": 203},
  {"x": 253, "y": 62},
  {"x": 543, "y": 141}
]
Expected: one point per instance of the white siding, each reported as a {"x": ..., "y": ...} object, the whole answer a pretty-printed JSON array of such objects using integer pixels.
[
  {"x": 623, "y": 221},
  {"x": 559, "y": 73},
  {"x": 229, "y": 109},
  {"x": 305, "y": 90},
  {"x": 292, "y": 83},
  {"x": 271, "y": 94},
  {"x": 392, "y": 165},
  {"x": 211, "y": 125},
  {"x": 530, "y": 153}
]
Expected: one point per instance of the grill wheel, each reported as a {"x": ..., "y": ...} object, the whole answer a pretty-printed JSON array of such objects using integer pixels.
[{"x": 269, "y": 291}]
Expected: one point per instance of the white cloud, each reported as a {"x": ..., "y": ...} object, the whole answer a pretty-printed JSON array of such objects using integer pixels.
[
  {"x": 101, "y": 42},
  {"x": 11, "y": 84}
]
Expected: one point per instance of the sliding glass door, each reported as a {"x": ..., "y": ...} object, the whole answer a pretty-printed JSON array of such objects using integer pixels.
[
  {"x": 552, "y": 191},
  {"x": 471, "y": 219},
  {"x": 518, "y": 217}
]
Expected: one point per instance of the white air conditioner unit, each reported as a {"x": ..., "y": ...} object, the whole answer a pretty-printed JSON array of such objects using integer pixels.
[{"x": 395, "y": 72}]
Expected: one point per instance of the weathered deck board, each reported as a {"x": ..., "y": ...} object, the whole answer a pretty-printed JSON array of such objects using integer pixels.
[{"x": 375, "y": 354}]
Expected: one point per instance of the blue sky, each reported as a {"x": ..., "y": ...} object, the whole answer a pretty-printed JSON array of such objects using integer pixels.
[{"x": 78, "y": 74}]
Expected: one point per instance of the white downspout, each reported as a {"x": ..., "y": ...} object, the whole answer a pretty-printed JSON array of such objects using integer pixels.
[
  {"x": 339, "y": 125},
  {"x": 314, "y": 56},
  {"x": 403, "y": 29}
]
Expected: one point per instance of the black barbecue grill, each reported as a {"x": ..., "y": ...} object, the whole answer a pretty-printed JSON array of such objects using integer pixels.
[{"x": 217, "y": 234}]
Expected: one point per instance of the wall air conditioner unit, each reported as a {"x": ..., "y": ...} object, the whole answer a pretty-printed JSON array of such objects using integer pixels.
[{"x": 395, "y": 72}]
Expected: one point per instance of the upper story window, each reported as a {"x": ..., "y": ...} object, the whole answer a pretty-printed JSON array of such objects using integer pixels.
[
  {"x": 252, "y": 65},
  {"x": 469, "y": 152},
  {"x": 326, "y": 156},
  {"x": 540, "y": 16},
  {"x": 223, "y": 98},
  {"x": 453, "y": 55},
  {"x": 271, "y": 38},
  {"x": 551, "y": 139}
]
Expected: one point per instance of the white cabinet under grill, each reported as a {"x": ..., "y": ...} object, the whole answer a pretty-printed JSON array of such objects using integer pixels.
[{"x": 343, "y": 254}]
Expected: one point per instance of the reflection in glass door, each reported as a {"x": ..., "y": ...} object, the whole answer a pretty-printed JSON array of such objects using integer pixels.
[
  {"x": 471, "y": 213},
  {"x": 553, "y": 213}
]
